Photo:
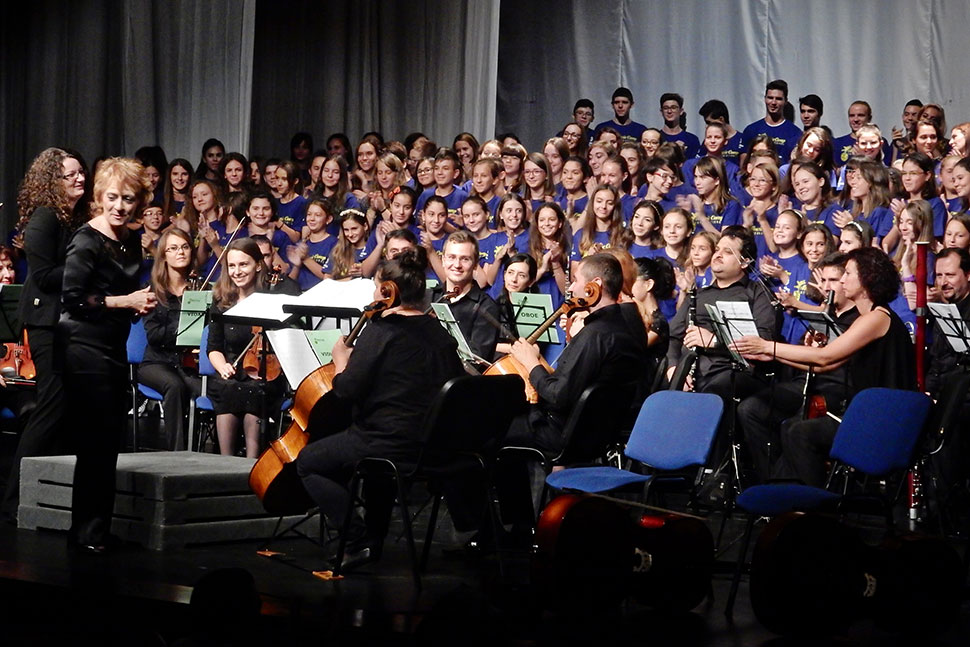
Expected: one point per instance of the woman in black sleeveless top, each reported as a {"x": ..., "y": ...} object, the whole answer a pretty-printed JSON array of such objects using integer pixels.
[{"x": 876, "y": 348}]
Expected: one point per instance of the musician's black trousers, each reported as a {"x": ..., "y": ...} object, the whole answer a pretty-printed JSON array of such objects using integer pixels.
[{"x": 760, "y": 418}]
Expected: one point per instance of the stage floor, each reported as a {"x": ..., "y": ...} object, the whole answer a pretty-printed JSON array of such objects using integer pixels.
[{"x": 52, "y": 596}]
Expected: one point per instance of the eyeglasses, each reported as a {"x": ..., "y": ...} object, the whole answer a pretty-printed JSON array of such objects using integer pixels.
[
  {"x": 72, "y": 175},
  {"x": 532, "y": 171},
  {"x": 912, "y": 173},
  {"x": 425, "y": 170},
  {"x": 663, "y": 177},
  {"x": 185, "y": 247}
]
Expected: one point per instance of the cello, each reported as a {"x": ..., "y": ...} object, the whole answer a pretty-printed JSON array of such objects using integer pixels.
[
  {"x": 273, "y": 478},
  {"x": 508, "y": 365}
]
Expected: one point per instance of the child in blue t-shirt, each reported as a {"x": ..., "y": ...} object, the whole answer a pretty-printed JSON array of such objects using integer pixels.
[
  {"x": 788, "y": 270},
  {"x": 308, "y": 258},
  {"x": 713, "y": 206},
  {"x": 645, "y": 226}
]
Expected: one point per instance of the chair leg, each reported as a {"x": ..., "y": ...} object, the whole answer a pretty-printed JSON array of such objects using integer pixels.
[
  {"x": 348, "y": 516},
  {"x": 739, "y": 567},
  {"x": 190, "y": 441},
  {"x": 408, "y": 531},
  {"x": 432, "y": 521},
  {"x": 134, "y": 418}
]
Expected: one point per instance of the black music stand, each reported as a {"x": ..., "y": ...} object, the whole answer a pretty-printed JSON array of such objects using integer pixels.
[
  {"x": 730, "y": 321},
  {"x": 11, "y": 328}
]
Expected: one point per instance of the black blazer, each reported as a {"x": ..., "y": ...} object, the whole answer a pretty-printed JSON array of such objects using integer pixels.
[{"x": 45, "y": 243}]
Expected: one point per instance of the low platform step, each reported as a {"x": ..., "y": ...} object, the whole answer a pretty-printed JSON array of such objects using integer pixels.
[{"x": 164, "y": 499}]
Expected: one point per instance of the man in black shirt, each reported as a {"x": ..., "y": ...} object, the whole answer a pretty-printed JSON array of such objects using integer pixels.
[
  {"x": 730, "y": 264},
  {"x": 610, "y": 348},
  {"x": 476, "y": 313},
  {"x": 953, "y": 279},
  {"x": 762, "y": 415}
]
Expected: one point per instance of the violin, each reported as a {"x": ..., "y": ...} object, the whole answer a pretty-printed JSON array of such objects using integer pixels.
[
  {"x": 256, "y": 355},
  {"x": 17, "y": 356},
  {"x": 275, "y": 276},
  {"x": 273, "y": 478},
  {"x": 508, "y": 365}
]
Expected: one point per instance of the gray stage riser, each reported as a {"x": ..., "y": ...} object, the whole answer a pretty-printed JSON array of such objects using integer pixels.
[
  {"x": 213, "y": 508},
  {"x": 165, "y": 537}
]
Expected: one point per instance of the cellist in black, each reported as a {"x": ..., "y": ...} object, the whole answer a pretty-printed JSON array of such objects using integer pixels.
[{"x": 400, "y": 362}]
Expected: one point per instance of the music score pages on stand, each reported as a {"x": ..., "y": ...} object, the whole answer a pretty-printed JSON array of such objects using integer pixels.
[
  {"x": 732, "y": 319},
  {"x": 952, "y": 325}
]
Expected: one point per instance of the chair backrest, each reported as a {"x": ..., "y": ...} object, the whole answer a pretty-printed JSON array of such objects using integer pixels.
[
  {"x": 595, "y": 422},
  {"x": 472, "y": 412},
  {"x": 679, "y": 377},
  {"x": 205, "y": 366},
  {"x": 675, "y": 429},
  {"x": 879, "y": 430},
  {"x": 137, "y": 342}
]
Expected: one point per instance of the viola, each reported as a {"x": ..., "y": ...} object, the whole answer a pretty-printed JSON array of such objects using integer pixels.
[
  {"x": 17, "y": 356},
  {"x": 508, "y": 365},
  {"x": 273, "y": 478},
  {"x": 259, "y": 353}
]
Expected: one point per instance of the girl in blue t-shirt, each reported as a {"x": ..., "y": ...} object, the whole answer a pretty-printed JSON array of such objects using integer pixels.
[
  {"x": 575, "y": 173},
  {"x": 349, "y": 252},
  {"x": 292, "y": 206},
  {"x": 915, "y": 225},
  {"x": 513, "y": 237},
  {"x": 813, "y": 190},
  {"x": 645, "y": 226},
  {"x": 761, "y": 211},
  {"x": 675, "y": 230},
  {"x": 869, "y": 192},
  {"x": 549, "y": 246},
  {"x": 308, "y": 258},
  {"x": 335, "y": 184},
  {"x": 486, "y": 178},
  {"x": 538, "y": 186},
  {"x": 474, "y": 217},
  {"x": 957, "y": 233},
  {"x": 210, "y": 221},
  {"x": 713, "y": 207},
  {"x": 603, "y": 225},
  {"x": 918, "y": 184},
  {"x": 788, "y": 270}
]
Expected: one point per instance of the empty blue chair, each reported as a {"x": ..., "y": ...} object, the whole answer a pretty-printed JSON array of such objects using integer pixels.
[
  {"x": 877, "y": 436},
  {"x": 137, "y": 342},
  {"x": 673, "y": 431}
]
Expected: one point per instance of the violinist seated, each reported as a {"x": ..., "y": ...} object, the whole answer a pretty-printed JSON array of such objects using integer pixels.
[
  {"x": 238, "y": 398},
  {"x": 393, "y": 373},
  {"x": 277, "y": 279},
  {"x": 609, "y": 349},
  {"x": 476, "y": 312},
  {"x": 162, "y": 368},
  {"x": 730, "y": 265},
  {"x": 16, "y": 362},
  {"x": 761, "y": 416}
]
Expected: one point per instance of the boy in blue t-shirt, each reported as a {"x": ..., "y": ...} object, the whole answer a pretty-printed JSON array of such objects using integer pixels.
[
  {"x": 672, "y": 110},
  {"x": 715, "y": 111},
  {"x": 447, "y": 170},
  {"x": 860, "y": 114},
  {"x": 783, "y": 133},
  {"x": 629, "y": 130}
]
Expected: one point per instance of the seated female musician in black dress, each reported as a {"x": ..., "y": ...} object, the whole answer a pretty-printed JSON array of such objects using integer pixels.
[
  {"x": 100, "y": 296},
  {"x": 162, "y": 368},
  {"x": 400, "y": 362},
  {"x": 876, "y": 349},
  {"x": 236, "y": 397}
]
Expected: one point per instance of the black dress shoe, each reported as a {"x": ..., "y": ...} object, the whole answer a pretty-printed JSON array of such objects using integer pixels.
[{"x": 360, "y": 554}]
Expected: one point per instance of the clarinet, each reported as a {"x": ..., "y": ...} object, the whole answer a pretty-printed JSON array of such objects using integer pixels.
[{"x": 692, "y": 321}]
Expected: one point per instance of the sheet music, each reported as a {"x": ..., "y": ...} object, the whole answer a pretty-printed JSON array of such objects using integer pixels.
[
  {"x": 262, "y": 305},
  {"x": 195, "y": 304},
  {"x": 530, "y": 311},
  {"x": 355, "y": 293},
  {"x": 296, "y": 357},
  {"x": 821, "y": 322},
  {"x": 738, "y": 318},
  {"x": 447, "y": 319},
  {"x": 724, "y": 333},
  {"x": 954, "y": 327}
]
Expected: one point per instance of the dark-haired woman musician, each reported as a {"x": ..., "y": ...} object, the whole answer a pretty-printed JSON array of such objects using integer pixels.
[
  {"x": 51, "y": 206},
  {"x": 400, "y": 362},
  {"x": 876, "y": 349},
  {"x": 161, "y": 368}
]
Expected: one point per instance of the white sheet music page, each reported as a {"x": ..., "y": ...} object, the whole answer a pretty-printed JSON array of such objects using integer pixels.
[
  {"x": 948, "y": 318},
  {"x": 262, "y": 305},
  {"x": 294, "y": 353},
  {"x": 355, "y": 293},
  {"x": 738, "y": 318}
]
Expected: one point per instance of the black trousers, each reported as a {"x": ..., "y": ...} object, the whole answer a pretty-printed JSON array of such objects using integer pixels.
[
  {"x": 728, "y": 384},
  {"x": 326, "y": 467},
  {"x": 96, "y": 386},
  {"x": 760, "y": 418},
  {"x": 176, "y": 387},
  {"x": 44, "y": 434},
  {"x": 805, "y": 448}
]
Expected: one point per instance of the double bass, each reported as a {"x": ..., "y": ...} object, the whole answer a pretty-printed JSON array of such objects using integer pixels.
[
  {"x": 273, "y": 478},
  {"x": 508, "y": 365}
]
